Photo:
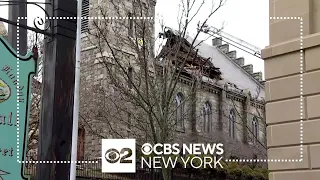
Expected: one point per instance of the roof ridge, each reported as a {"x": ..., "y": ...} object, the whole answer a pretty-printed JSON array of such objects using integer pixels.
[{"x": 239, "y": 61}]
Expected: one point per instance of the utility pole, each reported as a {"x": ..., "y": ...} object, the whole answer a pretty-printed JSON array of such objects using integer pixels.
[
  {"x": 55, "y": 133},
  {"x": 73, "y": 170},
  {"x": 16, "y": 11}
]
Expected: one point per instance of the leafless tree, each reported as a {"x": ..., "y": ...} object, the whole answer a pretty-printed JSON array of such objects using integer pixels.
[
  {"x": 247, "y": 116},
  {"x": 136, "y": 97},
  {"x": 36, "y": 96}
]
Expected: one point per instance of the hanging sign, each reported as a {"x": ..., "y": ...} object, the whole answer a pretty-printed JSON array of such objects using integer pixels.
[{"x": 16, "y": 73}]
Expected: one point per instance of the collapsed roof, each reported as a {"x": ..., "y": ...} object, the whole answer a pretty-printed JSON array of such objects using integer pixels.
[
  {"x": 187, "y": 55},
  {"x": 215, "y": 61}
]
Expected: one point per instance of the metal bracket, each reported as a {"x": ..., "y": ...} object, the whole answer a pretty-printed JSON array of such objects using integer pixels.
[{"x": 38, "y": 21}]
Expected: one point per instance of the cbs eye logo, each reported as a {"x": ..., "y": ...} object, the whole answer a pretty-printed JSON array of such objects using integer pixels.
[
  {"x": 113, "y": 155},
  {"x": 118, "y": 155}
]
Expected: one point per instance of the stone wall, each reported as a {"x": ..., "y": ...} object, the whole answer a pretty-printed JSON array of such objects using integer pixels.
[
  {"x": 292, "y": 70},
  {"x": 221, "y": 100}
]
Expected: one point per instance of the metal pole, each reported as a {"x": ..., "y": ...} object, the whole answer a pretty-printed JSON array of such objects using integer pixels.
[
  {"x": 73, "y": 170},
  {"x": 12, "y": 30},
  {"x": 15, "y": 11},
  {"x": 23, "y": 36}
]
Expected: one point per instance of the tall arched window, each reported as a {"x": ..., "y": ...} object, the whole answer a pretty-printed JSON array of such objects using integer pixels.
[
  {"x": 130, "y": 75},
  {"x": 179, "y": 110},
  {"x": 207, "y": 117},
  {"x": 232, "y": 121},
  {"x": 255, "y": 129},
  {"x": 130, "y": 24},
  {"x": 81, "y": 141}
]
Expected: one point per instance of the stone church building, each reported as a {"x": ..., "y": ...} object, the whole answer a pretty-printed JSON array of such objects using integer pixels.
[
  {"x": 228, "y": 109},
  {"x": 228, "y": 105}
]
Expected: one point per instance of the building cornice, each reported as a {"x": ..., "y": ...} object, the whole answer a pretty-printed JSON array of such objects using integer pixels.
[
  {"x": 216, "y": 89},
  {"x": 291, "y": 46}
]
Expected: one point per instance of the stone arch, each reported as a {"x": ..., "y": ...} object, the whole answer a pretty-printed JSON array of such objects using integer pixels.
[
  {"x": 207, "y": 117},
  {"x": 232, "y": 123},
  {"x": 179, "y": 113},
  {"x": 81, "y": 143}
]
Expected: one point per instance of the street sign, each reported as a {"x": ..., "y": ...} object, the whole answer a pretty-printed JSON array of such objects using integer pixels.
[{"x": 16, "y": 74}]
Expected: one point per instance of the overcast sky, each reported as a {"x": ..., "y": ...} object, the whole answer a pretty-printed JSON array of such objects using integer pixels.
[{"x": 245, "y": 19}]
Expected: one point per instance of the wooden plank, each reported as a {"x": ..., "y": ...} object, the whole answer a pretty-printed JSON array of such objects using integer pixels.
[{"x": 55, "y": 133}]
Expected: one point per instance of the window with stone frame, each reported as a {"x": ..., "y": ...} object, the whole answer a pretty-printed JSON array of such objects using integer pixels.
[
  {"x": 232, "y": 123},
  {"x": 255, "y": 129},
  {"x": 207, "y": 117},
  {"x": 81, "y": 145},
  {"x": 130, "y": 77},
  {"x": 179, "y": 113},
  {"x": 130, "y": 24}
]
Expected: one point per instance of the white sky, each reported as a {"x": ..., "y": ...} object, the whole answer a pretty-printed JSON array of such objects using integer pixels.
[{"x": 245, "y": 19}]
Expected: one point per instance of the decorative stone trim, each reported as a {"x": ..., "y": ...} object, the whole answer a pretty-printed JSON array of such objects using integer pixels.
[
  {"x": 260, "y": 106},
  {"x": 185, "y": 80},
  {"x": 235, "y": 97},
  {"x": 211, "y": 88},
  {"x": 291, "y": 46}
]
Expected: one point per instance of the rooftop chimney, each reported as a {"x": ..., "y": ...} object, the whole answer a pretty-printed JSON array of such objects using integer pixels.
[
  {"x": 239, "y": 61},
  {"x": 224, "y": 48},
  {"x": 217, "y": 41},
  {"x": 257, "y": 76},
  {"x": 232, "y": 55},
  {"x": 248, "y": 68}
]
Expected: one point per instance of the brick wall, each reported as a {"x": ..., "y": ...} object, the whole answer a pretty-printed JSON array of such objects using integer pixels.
[{"x": 285, "y": 118}]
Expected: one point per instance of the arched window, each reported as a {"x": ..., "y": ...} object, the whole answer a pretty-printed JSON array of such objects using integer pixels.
[
  {"x": 207, "y": 117},
  {"x": 130, "y": 75},
  {"x": 81, "y": 143},
  {"x": 232, "y": 121},
  {"x": 179, "y": 110},
  {"x": 130, "y": 24},
  {"x": 255, "y": 129}
]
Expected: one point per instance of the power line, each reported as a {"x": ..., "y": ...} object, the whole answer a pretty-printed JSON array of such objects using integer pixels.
[{"x": 236, "y": 42}]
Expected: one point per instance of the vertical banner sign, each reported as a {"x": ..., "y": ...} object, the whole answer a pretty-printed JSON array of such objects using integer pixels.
[{"x": 16, "y": 73}]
